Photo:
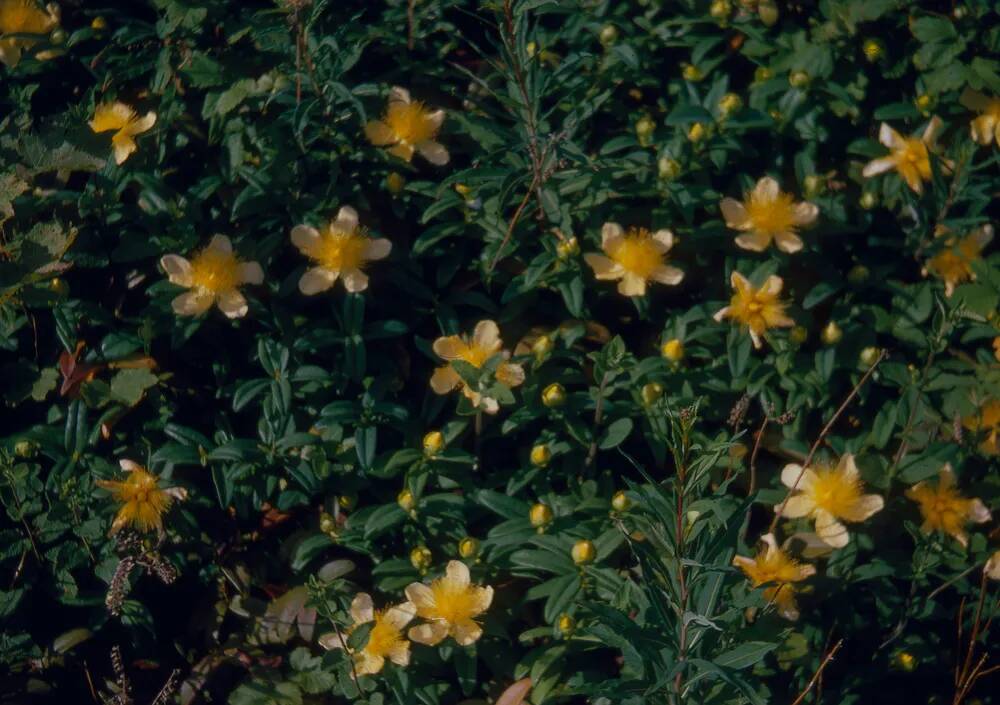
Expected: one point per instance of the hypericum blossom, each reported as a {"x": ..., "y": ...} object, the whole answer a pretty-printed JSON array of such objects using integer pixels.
[
  {"x": 126, "y": 124},
  {"x": 408, "y": 126},
  {"x": 484, "y": 344},
  {"x": 341, "y": 249},
  {"x": 953, "y": 264},
  {"x": 986, "y": 421},
  {"x": 385, "y": 640},
  {"x": 759, "y": 309},
  {"x": 944, "y": 509},
  {"x": 212, "y": 276},
  {"x": 828, "y": 496},
  {"x": 985, "y": 128},
  {"x": 909, "y": 156},
  {"x": 450, "y": 606},
  {"x": 636, "y": 257},
  {"x": 768, "y": 214},
  {"x": 22, "y": 18},
  {"x": 143, "y": 501},
  {"x": 774, "y": 567}
]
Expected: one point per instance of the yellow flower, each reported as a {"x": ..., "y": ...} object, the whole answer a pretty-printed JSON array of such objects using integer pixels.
[
  {"x": 23, "y": 17},
  {"x": 126, "y": 124},
  {"x": 986, "y": 420},
  {"x": 953, "y": 264},
  {"x": 385, "y": 640},
  {"x": 829, "y": 496},
  {"x": 758, "y": 309},
  {"x": 450, "y": 605},
  {"x": 910, "y": 156},
  {"x": 767, "y": 214},
  {"x": 944, "y": 509},
  {"x": 484, "y": 344},
  {"x": 635, "y": 257},
  {"x": 408, "y": 126},
  {"x": 213, "y": 276},
  {"x": 985, "y": 128},
  {"x": 773, "y": 565},
  {"x": 341, "y": 249},
  {"x": 143, "y": 502}
]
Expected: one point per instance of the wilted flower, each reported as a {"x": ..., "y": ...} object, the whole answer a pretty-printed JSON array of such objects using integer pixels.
[
  {"x": 944, "y": 509},
  {"x": 143, "y": 502},
  {"x": 985, "y": 128},
  {"x": 759, "y": 309},
  {"x": 385, "y": 640},
  {"x": 910, "y": 156},
  {"x": 341, "y": 249},
  {"x": 829, "y": 496},
  {"x": 450, "y": 604},
  {"x": 768, "y": 214},
  {"x": 213, "y": 276},
  {"x": 773, "y": 565},
  {"x": 636, "y": 257},
  {"x": 484, "y": 344},
  {"x": 953, "y": 264},
  {"x": 986, "y": 420},
  {"x": 23, "y": 17},
  {"x": 408, "y": 126},
  {"x": 126, "y": 124}
]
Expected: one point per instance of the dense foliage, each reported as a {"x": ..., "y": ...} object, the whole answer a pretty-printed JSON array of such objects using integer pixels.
[{"x": 438, "y": 351}]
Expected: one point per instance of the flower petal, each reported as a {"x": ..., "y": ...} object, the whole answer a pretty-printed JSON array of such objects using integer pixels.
[
  {"x": 380, "y": 134},
  {"x": 421, "y": 597},
  {"x": 767, "y": 189},
  {"x": 377, "y": 249},
  {"x": 790, "y": 474},
  {"x": 129, "y": 465},
  {"x": 400, "y": 615},
  {"x": 486, "y": 336},
  {"x": 890, "y": 138},
  {"x": 831, "y": 530},
  {"x": 178, "y": 269},
  {"x": 977, "y": 512},
  {"x": 665, "y": 274},
  {"x": 306, "y": 238},
  {"x": 399, "y": 653},
  {"x": 632, "y": 285},
  {"x": 449, "y": 347},
  {"x": 398, "y": 94},
  {"x": 445, "y": 379},
  {"x": 457, "y": 573},
  {"x": 511, "y": 374},
  {"x": 316, "y": 280},
  {"x": 467, "y": 632},
  {"x": 796, "y": 506},
  {"x": 250, "y": 273},
  {"x": 664, "y": 240},
  {"x": 434, "y": 152},
  {"x": 756, "y": 241},
  {"x": 933, "y": 129},
  {"x": 367, "y": 663},
  {"x": 362, "y": 608},
  {"x": 431, "y": 633},
  {"x": 221, "y": 243},
  {"x": 233, "y": 304},
  {"x": 403, "y": 151},
  {"x": 865, "y": 506},
  {"x": 788, "y": 242},
  {"x": 193, "y": 303},
  {"x": 609, "y": 233},
  {"x": 123, "y": 146},
  {"x": 355, "y": 280},
  {"x": 805, "y": 213},
  {"x": 878, "y": 166},
  {"x": 735, "y": 214},
  {"x": 604, "y": 268},
  {"x": 346, "y": 220}
]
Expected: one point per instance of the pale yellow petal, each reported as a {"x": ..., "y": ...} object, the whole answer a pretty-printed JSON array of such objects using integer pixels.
[
  {"x": 890, "y": 138},
  {"x": 664, "y": 240},
  {"x": 604, "y": 268},
  {"x": 233, "y": 304},
  {"x": 398, "y": 94},
  {"x": 766, "y": 190},
  {"x": 305, "y": 238},
  {"x": 735, "y": 214},
  {"x": 399, "y": 654},
  {"x": 449, "y": 347},
  {"x": 798, "y": 505},
  {"x": 403, "y": 151},
  {"x": 355, "y": 280},
  {"x": 755, "y": 241},
  {"x": 377, "y": 249},
  {"x": 250, "y": 273},
  {"x": 878, "y": 166},
  {"x": 362, "y": 608},
  {"x": 431, "y": 634},
  {"x": 221, "y": 243},
  {"x": 193, "y": 303},
  {"x": 111, "y": 116},
  {"x": 805, "y": 213},
  {"x": 400, "y": 615},
  {"x": 486, "y": 336},
  {"x": 445, "y": 379},
  {"x": 122, "y": 146},
  {"x": 421, "y": 597},
  {"x": 346, "y": 220},
  {"x": 129, "y": 465},
  {"x": 632, "y": 285},
  {"x": 380, "y": 134},
  {"x": 178, "y": 269},
  {"x": 829, "y": 528},
  {"x": 978, "y": 513},
  {"x": 666, "y": 274},
  {"x": 866, "y": 506},
  {"x": 466, "y": 632},
  {"x": 788, "y": 242},
  {"x": 610, "y": 232},
  {"x": 457, "y": 573},
  {"x": 434, "y": 152},
  {"x": 790, "y": 474},
  {"x": 316, "y": 280}
]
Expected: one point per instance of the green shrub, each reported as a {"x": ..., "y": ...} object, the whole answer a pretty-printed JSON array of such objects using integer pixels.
[{"x": 523, "y": 351}]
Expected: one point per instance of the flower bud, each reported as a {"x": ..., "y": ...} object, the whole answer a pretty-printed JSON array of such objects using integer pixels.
[
  {"x": 798, "y": 79},
  {"x": 868, "y": 200},
  {"x": 566, "y": 624},
  {"x": 644, "y": 129},
  {"x": 767, "y": 10},
  {"x": 696, "y": 133},
  {"x": 832, "y": 333},
  {"x": 420, "y": 558},
  {"x": 583, "y": 552},
  {"x": 395, "y": 182},
  {"x": 540, "y": 455},
  {"x": 608, "y": 35},
  {"x": 620, "y": 501},
  {"x": 433, "y": 443},
  {"x": 25, "y": 448},
  {"x": 468, "y": 547},
  {"x": 531, "y": 48},
  {"x": 651, "y": 393},
  {"x": 406, "y": 501},
  {"x": 347, "y": 501},
  {"x": 462, "y": 190},
  {"x": 58, "y": 36},
  {"x": 859, "y": 274},
  {"x": 873, "y": 50},
  {"x": 59, "y": 287},
  {"x": 327, "y": 524},
  {"x": 905, "y": 661},
  {"x": 542, "y": 347},
  {"x": 673, "y": 350},
  {"x": 814, "y": 184},
  {"x": 720, "y": 9},
  {"x": 692, "y": 73},
  {"x": 729, "y": 104},
  {"x": 567, "y": 248},
  {"x": 540, "y": 515},
  {"x": 762, "y": 73},
  {"x": 98, "y": 23},
  {"x": 668, "y": 168},
  {"x": 868, "y": 356},
  {"x": 554, "y": 395},
  {"x": 798, "y": 335}
]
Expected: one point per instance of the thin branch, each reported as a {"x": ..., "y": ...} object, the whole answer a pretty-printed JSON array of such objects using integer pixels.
[
  {"x": 822, "y": 435},
  {"x": 819, "y": 672}
]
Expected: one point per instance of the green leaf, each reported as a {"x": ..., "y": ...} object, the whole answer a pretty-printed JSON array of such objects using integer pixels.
[{"x": 129, "y": 386}]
